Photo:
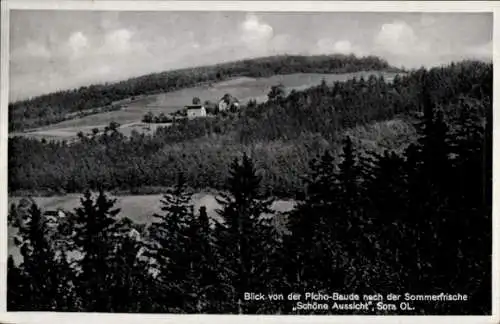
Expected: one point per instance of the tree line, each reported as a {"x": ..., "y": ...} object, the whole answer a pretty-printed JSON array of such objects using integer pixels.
[
  {"x": 281, "y": 134},
  {"x": 55, "y": 107},
  {"x": 414, "y": 221}
]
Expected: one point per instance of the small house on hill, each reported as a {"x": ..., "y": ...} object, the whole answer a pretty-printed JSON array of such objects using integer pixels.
[
  {"x": 228, "y": 102},
  {"x": 55, "y": 213},
  {"x": 53, "y": 217},
  {"x": 195, "y": 111}
]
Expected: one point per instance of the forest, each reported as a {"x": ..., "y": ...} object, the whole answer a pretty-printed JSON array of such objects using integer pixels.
[
  {"x": 62, "y": 105},
  {"x": 416, "y": 218},
  {"x": 281, "y": 134}
]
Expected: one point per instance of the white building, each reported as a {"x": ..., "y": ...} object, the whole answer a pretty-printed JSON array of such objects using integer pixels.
[
  {"x": 228, "y": 102},
  {"x": 223, "y": 106},
  {"x": 196, "y": 111}
]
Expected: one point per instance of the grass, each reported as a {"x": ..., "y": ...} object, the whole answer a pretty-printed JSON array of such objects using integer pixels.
[
  {"x": 131, "y": 114},
  {"x": 139, "y": 208},
  {"x": 394, "y": 134}
]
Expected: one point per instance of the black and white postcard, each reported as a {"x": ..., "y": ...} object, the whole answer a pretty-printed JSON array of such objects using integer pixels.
[{"x": 180, "y": 158}]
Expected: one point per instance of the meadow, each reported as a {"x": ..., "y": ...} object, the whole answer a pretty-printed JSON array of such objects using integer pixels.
[
  {"x": 139, "y": 208},
  {"x": 130, "y": 116}
]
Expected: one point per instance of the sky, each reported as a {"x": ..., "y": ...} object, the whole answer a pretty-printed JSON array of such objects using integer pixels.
[{"x": 53, "y": 50}]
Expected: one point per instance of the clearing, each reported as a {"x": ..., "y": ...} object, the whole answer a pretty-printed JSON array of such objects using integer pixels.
[
  {"x": 130, "y": 116},
  {"x": 138, "y": 208}
]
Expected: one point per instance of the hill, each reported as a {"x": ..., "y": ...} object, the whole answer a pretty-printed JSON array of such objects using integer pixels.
[
  {"x": 389, "y": 186},
  {"x": 131, "y": 112},
  {"x": 282, "y": 133},
  {"x": 55, "y": 107}
]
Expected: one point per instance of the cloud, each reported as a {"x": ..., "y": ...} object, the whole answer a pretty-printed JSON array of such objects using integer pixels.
[
  {"x": 331, "y": 46},
  {"x": 399, "y": 38},
  {"x": 255, "y": 33},
  {"x": 108, "y": 46},
  {"x": 482, "y": 52},
  {"x": 400, "y": 44},
  {"x": 32, "y": 50},
  {"x": 343, "y": 47},
  {"x": 118, "y": 41},
  {"x": 77, "y": 42},
  {"x": 283, "y": 44},
  {"x": 81, "y": 59}
]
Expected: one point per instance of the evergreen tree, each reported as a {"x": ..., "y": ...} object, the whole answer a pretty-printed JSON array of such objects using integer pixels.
[
  {"x": 385, "y": 201},
  {"x": 45, "y": 289},
  {"x": 277, "y": 93},
  {"x": 311, "y": 246},
  {"x": 469, "y": 251},
  {"x": 205, "y": 270},
  {"x": 16, "y": 287},
  {"x": 169, "y": 248},
  {"x": 129, "y": 277},
  {"x": 93, "y": 234},
  {"x": 243, "y": 237}
]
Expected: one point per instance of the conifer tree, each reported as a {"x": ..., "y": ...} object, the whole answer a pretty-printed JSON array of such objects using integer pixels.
[
  {"x": 95, "y": 224},
  {"x": 311, "y": 226},
  {"x": 385, "y": 201},
  {"x": 353, "y": 223},
  {"x": 205, "y": 270},
  {"x": 16, "y": 287},
  {"x": 243, "y": 237},
  {"x": 169, "y": 247},
  {"x": 470, "y": 195},
  {"x": 276, "y": 94},
  {"x": 129, "y": 275},
  {"x": 45, "y": 289}
]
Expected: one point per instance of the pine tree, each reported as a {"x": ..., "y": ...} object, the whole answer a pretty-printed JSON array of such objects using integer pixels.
[
  {"x": 348, "y": 179},
  {"x": 353, "y": 223},
  {"x": 469, "y": 243},
  {"x": 16, "y": 287},
  {"x": 129, "y": 277},
  {"x": 430, "y": 186},
  {"x": 93, "y": 236},
  {"x": 276, "y": 94},
  {"x": 45, "y": 289},
  {"x": 385, "y": 200},
  {"x": 311, "y": 247},
  {"x": 205, "y": 268},
  {"x": 243, "y": 237},
  {"x": 169, "y": 248}
]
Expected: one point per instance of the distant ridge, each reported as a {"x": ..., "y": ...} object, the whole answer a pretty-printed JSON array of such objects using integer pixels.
[
  {"x": 53, "y": 107},
  {"x": 225, "y": 65}
]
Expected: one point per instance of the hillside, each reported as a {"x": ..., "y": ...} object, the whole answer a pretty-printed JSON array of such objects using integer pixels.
[
  {"x": 283, "y": 133},
  {"x": 55, "y": 107},
  {"x": 388, "y": 187},
  {"x": 131, "y": 112}
]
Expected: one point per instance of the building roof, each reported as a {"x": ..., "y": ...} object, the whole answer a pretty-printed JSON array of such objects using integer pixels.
[
  {"x": 192, "y": 107},
  {"x": 228, "y": 99}
]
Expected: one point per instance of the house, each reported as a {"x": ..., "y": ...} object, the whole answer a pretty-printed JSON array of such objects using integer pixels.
[
  {"x": 53, "y": 217},
  {"x": 228, "y": 102},
  {"x": 223, "y": 106},
  {"x": 55, "y": 213},
  {"x": 195, "y": 111}
]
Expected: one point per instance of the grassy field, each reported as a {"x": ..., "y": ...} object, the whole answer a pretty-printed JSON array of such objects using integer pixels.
[
  {"x": 139, "y": 208},
  {"x": 132, "y": 112}
]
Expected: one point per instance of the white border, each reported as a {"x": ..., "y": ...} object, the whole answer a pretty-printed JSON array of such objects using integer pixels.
[{"x": 253, "y": 6}]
